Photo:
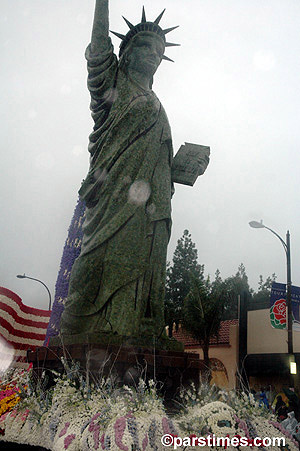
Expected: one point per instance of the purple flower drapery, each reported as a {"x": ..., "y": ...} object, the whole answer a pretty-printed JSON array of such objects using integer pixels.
[{"x": 70, "y": 253}]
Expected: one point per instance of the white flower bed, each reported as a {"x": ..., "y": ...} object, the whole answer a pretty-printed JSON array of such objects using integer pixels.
[{"x": 75, "y": 417}]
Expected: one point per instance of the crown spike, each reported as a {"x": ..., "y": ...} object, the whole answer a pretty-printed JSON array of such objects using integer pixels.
[
  {"x": 171, "y": 44},
  {"x": 119, "y": 35},
  {"x": 128, "y": 23},
  {"x": 144, "y": 26},
  {"x": 157, "y": 20},
  {"x": 164, "y": 57},
  {"x": 167, "y": 30}
]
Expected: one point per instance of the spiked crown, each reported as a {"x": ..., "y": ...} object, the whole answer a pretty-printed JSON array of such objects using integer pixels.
[{"x": 144, "y": 25}]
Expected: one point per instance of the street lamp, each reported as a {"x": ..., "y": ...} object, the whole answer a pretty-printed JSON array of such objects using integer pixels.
[
  {"x": 287, "y": 248},
  {"x": 23, "y": 276}
]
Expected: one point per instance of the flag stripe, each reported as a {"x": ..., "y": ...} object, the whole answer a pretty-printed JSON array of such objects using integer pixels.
[
  {"x": 25, "y": 308},
  {"x": 21, "y": 326},
  {"x": 9, "y": 326},
  {"x": 29, "y": 325},
  {"x": 25, "y": 315},
  {"x": 18, "y": 343}
]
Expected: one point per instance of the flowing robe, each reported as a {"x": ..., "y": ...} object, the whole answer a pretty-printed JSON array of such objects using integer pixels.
[{"x": 117, "y": 282}]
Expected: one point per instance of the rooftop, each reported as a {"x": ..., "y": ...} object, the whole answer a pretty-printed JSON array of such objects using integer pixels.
[{"x": 221, "y": 339}]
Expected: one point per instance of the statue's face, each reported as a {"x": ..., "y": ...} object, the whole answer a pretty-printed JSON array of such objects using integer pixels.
[{"x": 145, "y": 53}]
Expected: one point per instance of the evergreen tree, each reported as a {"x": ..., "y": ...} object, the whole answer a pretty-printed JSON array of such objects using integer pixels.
[
  {"x": 264, "y": 289},
  {"x": 238, "y": 285},
  {"x": 235, "y": 287},
  {"x": 267, "y": 285},
  {"x": 184, "y": 266}
]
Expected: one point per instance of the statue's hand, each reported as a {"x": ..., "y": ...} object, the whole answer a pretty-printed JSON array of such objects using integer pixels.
[
  {"x": 202, "y": 162},
  {"x": 100, "y": 25}
]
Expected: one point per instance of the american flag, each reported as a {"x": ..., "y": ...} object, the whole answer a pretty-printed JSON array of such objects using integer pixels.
[{"x": 21, "y": 328}]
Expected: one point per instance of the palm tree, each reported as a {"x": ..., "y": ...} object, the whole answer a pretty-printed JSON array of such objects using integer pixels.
[{"x": 202, "y": 313}]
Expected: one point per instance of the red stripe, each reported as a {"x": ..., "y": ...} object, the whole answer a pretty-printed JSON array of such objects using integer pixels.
[
  {"x": 20, "y": 320},
  {"x": 21, "y": 333},
  {"x": 23, "y": 307},
  {"x": 10, "y": 294}
]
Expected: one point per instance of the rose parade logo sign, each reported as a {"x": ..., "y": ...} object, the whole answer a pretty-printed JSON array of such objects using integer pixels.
[
  {"x": 278, "y": 310},
  {"x": 278, "y": 314}
]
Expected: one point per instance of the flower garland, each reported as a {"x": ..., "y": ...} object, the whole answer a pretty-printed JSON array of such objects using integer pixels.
[
  {"x": 9, "y": 391},
  {"x": 7, "y": 403}
]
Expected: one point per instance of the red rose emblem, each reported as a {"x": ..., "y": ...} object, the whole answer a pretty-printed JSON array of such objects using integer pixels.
[{"x": 279, "y": 310}]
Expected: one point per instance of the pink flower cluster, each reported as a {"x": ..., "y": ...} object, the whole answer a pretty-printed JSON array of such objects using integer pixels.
[
  {"x": 279, "y": 426},
  {"x": 242, "y": 425},
  {"x": 119, "y": 428},
  {"x": 68, "y": 440},
  {"x": 64, "y": 430},
  {"x": 95, "y": 428}
]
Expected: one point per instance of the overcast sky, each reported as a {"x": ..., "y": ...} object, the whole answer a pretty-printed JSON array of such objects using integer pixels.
[{"x": 234, "y": 86}]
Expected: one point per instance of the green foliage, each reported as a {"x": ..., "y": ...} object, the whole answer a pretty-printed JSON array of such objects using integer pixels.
[
  {"x": 267, "y": 285},
  {"x": 235, "y": 286},
  {"x": 264, "y": 289},
  {"x": 238, "y": 286},
  {"x": 178, "y": 278},
  {"x": 203, "y": 311},
  {"x": 203, "y": 308},
  {"x": 178, "y": 283}
]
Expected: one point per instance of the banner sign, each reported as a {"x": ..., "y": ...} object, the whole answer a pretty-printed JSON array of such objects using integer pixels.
[{"x": 278, "y": 310}]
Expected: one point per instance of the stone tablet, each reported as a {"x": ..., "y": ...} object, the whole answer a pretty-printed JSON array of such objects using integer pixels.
[{"x": 185, "y": 167}]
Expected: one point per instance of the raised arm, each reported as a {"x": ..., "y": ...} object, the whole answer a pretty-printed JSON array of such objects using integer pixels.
[
  {"x": 100, "y": 26},
  {"x": 102, "y": 65}
]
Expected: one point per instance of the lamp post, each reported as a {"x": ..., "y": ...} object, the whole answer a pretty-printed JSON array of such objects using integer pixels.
[
  {"x": 287, "y": 248},
  {"x": 23, "y": 276}
]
